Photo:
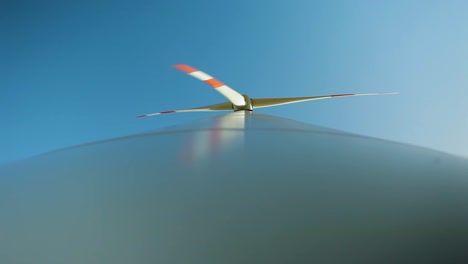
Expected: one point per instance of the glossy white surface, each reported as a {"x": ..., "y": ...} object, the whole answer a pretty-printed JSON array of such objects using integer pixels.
[{"x": 237, "y": 188}]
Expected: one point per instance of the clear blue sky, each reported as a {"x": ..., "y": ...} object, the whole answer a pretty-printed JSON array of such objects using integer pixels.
[{"x": 78, "y": 71}]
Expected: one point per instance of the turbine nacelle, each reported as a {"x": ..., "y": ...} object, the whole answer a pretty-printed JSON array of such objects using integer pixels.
[{"x": 241, "y": 102}]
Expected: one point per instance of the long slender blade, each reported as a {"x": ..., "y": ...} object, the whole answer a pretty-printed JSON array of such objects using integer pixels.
[
  {"x": 233, "y": 96},
  {"x": 215, "y": 107},
  {"x": 267, "y": 102}
]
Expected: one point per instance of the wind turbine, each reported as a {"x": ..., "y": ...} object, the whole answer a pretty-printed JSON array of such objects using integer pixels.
[
  {"x": 237, "y": 101},
  {"x": 242, "y": 187}
]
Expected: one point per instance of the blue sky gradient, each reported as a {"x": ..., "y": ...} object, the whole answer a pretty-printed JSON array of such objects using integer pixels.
[{"x": 78, "y": 71}]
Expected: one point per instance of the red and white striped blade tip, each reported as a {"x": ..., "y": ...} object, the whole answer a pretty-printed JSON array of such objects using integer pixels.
[
  {"x": 185, "y": 68},
  {"x": 232, "y": 95},
  {"x": 158, "y": 113}
]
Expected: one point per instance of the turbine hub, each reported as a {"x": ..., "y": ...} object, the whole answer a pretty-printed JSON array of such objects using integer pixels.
[{"x": 248, "y": 104}]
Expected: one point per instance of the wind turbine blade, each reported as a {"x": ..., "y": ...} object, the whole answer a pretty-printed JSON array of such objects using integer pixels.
[
  {"x": 215, "y": 107},
  {"x": 233, "y": 96},
  {"x": 267, "y": 102}
]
